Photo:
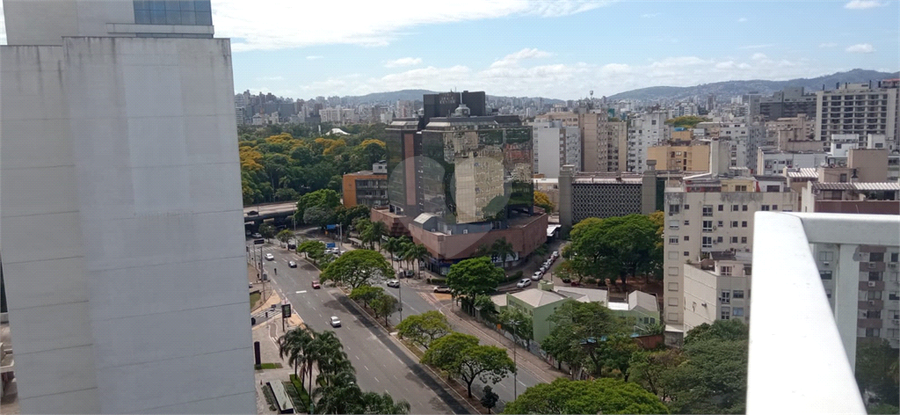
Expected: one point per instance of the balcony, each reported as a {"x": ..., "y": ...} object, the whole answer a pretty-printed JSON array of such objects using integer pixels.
[{"x": 794, "y": 330}]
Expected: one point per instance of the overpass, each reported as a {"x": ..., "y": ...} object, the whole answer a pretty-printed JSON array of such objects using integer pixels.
[{"x": 256, "y": 214}]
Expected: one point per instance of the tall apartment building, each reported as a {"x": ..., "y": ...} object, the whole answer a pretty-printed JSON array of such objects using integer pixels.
[
  {"x": 368, "y": 187},
  {"x": 859, "y": 109},
  {"x": 118, "y": 132},
  {"x": 717, "y": 288},
  {"x": 645, "y": 131},
  {"x": 745, "y": 139},
  {"x": 603, "y": 142},
  {"x": 787, "y": 103},
  {"x": 708, "y": 215},
  {"x": 555, "y": 146},
  {"x": 773, "y": 161},
  {"x": 793, "y": 134},
  {"x": 688, "y": 158}
]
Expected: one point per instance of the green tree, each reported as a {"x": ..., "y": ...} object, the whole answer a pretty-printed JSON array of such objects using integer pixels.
[
  {"x": 617, "y": 351},
  {"x": 345, "y": 216},
  {"x": 517, "y": 323},
  {"x": 392, "y": 245},
  {"x": 325, "y": 198},
  {"x": 284, "y": 236},
  {"x": 267, "y": 231},
  {"x": 418, "y": 253},
  {"x": 294, "y": 345},
  {"x": 489, "y": 398},
  {"x": 383, "y": 306},
  {"x": 422, "y": 329},
  {"x": 471, "y": 277},
  {"x": 312, "y": 248},
  {"x": 617, "y": 247},
  {"x": 543, "y": 201},
  {"x": 577, "y": 330},
  {"x": 607, "y": 396},
  {"x": 502, "y": 249},
  {"x": 876, "y": 365},
  {"x": 356, "y": 268},
  {"x": 373, "y": 403},
  {"x": 653, "y": 370},
  {"x": 486, "y": 307},
  {"x": 366, "y": 294},
  {"x": 317, "y": 215},
  {"x": 464, "y": 357},
  {"x": 687, "y": 121},
  {"x": 443, "y": 352}
]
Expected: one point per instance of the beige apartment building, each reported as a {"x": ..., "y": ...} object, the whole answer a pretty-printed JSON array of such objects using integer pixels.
[
  {"x": 717, "y": 288},
  {"x": 707, "y": 215},
  {"x": 681, "y": 158},
  {"x": 603, "y": 142}
]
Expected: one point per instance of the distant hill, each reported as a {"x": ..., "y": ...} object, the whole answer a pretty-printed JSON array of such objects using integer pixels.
[{"x": 733, "y": 88}]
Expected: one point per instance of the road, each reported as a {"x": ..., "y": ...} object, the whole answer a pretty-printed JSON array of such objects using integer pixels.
[{"x": 381, "y": 366}]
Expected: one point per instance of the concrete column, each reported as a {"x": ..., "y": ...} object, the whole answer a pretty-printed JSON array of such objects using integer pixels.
[
  {"x": 566, "y": 174},
  {"x": 648, "y": 189},
  {"x": 846, "y": 298}
]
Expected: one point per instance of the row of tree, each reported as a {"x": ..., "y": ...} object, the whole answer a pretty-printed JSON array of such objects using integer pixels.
[
  {"x": 334, "y": 389},
  {"x": 381, "y": 303}
]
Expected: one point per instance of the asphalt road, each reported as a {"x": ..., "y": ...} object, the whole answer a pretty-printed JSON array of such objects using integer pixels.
[{"x": 380, "y": 365}]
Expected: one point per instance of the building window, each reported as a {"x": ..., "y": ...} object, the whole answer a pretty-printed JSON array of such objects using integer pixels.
[
  {"x": 734, "y": 224},
  {"x": 874, "y": 276},
  {"x": 720, "y": 224},
  {"x": 686, "y": 253},
  {"x": 826, "y": 255},
  {"x": 734, "y": 208},
  {"x": 673, "y": 301},
  {"x": 687, "y": 223},
  {"x": 893, "y": 295},
  {"x": 726, "y": 313},
  {"x": 873, "y": 314},
  {"x": 687, "y": 207},
  {"x": 673, "y": 240},
  {"x": 725, "y": 271},
  {"x": 876, "y": 257},
  {"x": 707, "y": 226},
  {"x": 185, "y": 12},
  {"x": 895, "y": 257},
  {"x": 774, "y": 207},
  {"x": 707, "y": 210},
  {"x": 673, "y": 286},
  {"x": 719, "y": 239},
  {"x": 673, "y": 254},
  {"x": 765, "y": 208},
  {"x": 674, "y": 209},
  {"x": 738, "y": 294},
  {"x": 738, "y": 311},
  {"x": 743, "y": 239},
  {"x": 707, "y": 242},
  {"x": 743, "y": 208},
  {"x": 828, "y": 293},
  {"x": 876, "y": 295},
  {"x": 721, "y": 208},
  {"x": 744, "y": 224},
  {"x": 873, "y": 332},
  {"x": 687, "y": 238},
  {"x": 734, "y": 239},
  {"x": 826, "y": 275},
  {"x": 673, "y": 270}
]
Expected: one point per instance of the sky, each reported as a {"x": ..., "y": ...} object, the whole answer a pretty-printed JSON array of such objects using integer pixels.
[{"x": 551, "y": 48}]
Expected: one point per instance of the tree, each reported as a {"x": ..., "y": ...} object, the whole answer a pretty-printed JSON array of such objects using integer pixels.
[
  {"x": 267, "y": 231},
  {"x": 423, "y": 329},
  {"x": 502, "y": 249},
  {"x": 293, "y": 345},
  {"x": 517, "y": 323},
  {"x": 617, "y": 351},
  {"x": 345, "y": 216},
  {"x": 284, "y": 236},
  {"x": 392, "y": 245},
  {"x": 653, "y": 370},
  {"x": 473, "y": 276},
  {"x": 543, "y": 201},
  {"x": 418, "y": 253},
  {"x": 616, "y": 247},
  {"x": 312, "y": 248},
  {"x": 366, "y": 293},
  {"x": 489, "y": 398},
  {"x": 317, "y": 215},
  {"x": 564, "y": 396},
  {"x": 383, "y": 306},
  {"x": 461, "y": 355},
  {"x": 577, "y": 328},
  {"x": 357, "y": 268},
  {"x": 326, "y": 199},
  {"x": 687, "y": 121},
  {"x": 876, "y": 365},
  {"x": 486, "y": 307},
  {"x": 373, "y": 403}
]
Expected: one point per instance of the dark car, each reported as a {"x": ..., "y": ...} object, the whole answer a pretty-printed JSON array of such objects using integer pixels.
[
  {"x": 292, "y": 245},
  {"x": 442, "y": 289}
]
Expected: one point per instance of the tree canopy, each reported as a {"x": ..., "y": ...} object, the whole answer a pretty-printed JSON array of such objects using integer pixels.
[
  {"x": 607, "y": 396},
  {"x": 616, "y": 247},
  {"x": 424, "y": 328},
  {"x": 542, "y": 200},
  {"x": 460, "y": 355},
  {"x": 356, "y": 268},
  {"x": 687, "y": 121},
  {"x": 577, "y": 329},
  {"x": 471, "y": 277},
  {"x": 876, "y": 371}
]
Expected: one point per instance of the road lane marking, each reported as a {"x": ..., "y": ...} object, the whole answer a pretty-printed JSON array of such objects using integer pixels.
[
  {"x": 300, "y": 292},
  {"x": 376, "y": 379}
]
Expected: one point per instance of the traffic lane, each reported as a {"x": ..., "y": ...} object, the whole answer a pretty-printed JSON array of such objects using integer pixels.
[
  {"x": 413, "y": 303},
  {"x": 378, "y": 370}
]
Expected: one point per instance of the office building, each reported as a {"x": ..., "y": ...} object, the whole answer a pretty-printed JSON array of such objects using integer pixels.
[
  {"x": 366, "y": 187},
  {"x": 444, "y": 104},
  {"x": 555, "y": 146},
  {"x": 604, "y": 195},
  {"x": 123, "y": 254},
  {"x": 860, "y": 109},
  {"x": 787, "y": 103}
]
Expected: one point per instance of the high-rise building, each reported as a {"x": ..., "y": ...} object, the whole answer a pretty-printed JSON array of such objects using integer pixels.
[
  {"x": 123, "y": 253},
  {"x": 645, "y": 131},
  {"x": 859, "y": 109},
  {"x": 787, "y": 103},
  {"x": 554, "y": 147}
]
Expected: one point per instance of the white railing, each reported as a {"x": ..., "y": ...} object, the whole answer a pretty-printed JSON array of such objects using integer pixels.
[{"x": 802, "y": 352}]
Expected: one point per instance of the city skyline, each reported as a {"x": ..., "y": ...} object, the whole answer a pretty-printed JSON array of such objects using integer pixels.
[{"x": 559, "y": 50}]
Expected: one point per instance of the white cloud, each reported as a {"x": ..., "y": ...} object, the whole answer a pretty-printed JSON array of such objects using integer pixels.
[
  {"x": 742, "y": 20},
  {"x": 757, "y": 46},
  {"x": 252, "y": 25},
  {"x": 759, "y": 56},
  {"x": 314, "y": 57},
  {"x": 514, "y": 58},
  {"x": 860, "y": 48},
  {"x": 827, "y": 45},
  {"x": 863, "y": 4},
  {"x": 403, "y": 62}
]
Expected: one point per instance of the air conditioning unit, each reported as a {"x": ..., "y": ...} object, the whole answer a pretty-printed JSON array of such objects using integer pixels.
[
  {"x": 871, "y": 265},
  {"x": 871, "y": 284},
  {"x": 826, "y": 263}
]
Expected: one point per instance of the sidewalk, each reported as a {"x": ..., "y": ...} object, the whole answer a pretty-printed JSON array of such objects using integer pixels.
[{"x": 267, "y": 335}]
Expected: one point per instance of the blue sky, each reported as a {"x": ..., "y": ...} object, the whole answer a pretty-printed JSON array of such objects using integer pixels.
[{"x": 552, "y": 48}]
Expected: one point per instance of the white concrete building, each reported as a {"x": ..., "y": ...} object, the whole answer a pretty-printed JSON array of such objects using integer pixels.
[
  {"x": 869, "y": 108},
  {"x": 773, "y": 161},
  {"x": 645, "y": 131},
  {"x": 717, "y": 288},
  {"x": 705, "y": 215},
  {"x": 123, "y": 257},
  {"x": 555, "y": 145}
]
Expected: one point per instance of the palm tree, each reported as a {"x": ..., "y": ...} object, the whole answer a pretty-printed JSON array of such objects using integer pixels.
[
  {"x": 417, "y": 253},
  {"x": 393, "y": 247},
  {"x": 502, "y": 248},
  {"x": 405, "y": 247},
  {"x": 378, "y": 229},
  {"x": 337, "y": 393},
  {"x": 295, "y": 346},
  {"x": 373, "y": 403}
]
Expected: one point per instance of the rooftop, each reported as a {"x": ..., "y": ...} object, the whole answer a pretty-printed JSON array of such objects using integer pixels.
[
  {"x": 861, "y": 186},
  {"x": 803, "y": 173},
  {"x": 536, "y": 297}
]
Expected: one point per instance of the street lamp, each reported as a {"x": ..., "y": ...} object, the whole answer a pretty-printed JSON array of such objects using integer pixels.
[{"x": 515, "y": 324}]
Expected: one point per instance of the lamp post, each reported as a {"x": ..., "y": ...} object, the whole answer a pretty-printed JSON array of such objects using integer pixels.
[{"x": 515, "y": 324}]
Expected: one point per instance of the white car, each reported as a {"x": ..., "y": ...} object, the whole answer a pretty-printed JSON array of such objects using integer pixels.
[
  {"x": 270, "y": 257},
  {"x": 335, "y": 322},
  {"x": 536, "y": 276},
  {"x": 555, "y": 254},
  {"x": 524, "y": 283},
  {"x": 393, "y": 283}
]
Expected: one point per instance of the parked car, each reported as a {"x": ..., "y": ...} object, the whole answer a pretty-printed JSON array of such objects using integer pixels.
[
  {"x": 524, "y": 283},
  {"x": 574, "y": 283},
  {"x": 405, "y": 273},
  {"x": 442, "y": 289},
  {"x": 270, "y": 257},
  {"x": 393, "y": 283},
  {"x": 257, "y": 235},
  {"x": 251, "y": 286},
  {"x": 543, "y": 269},
  {"x": 315, "y": 284},
  {"x": 554, "y": 254},
  {"x": 292, "y": 264},
  {"x": 292, "y": 245},
  {"x": 537, "y": 275},
  {"x": 335, "y": 322}
]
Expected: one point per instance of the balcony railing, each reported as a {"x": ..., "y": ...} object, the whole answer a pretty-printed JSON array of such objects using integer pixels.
[{"x": 802, "y": 352}]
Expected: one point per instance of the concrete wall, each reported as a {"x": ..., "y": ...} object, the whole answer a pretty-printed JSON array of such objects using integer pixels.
[{"x": 131, "y": 247}]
